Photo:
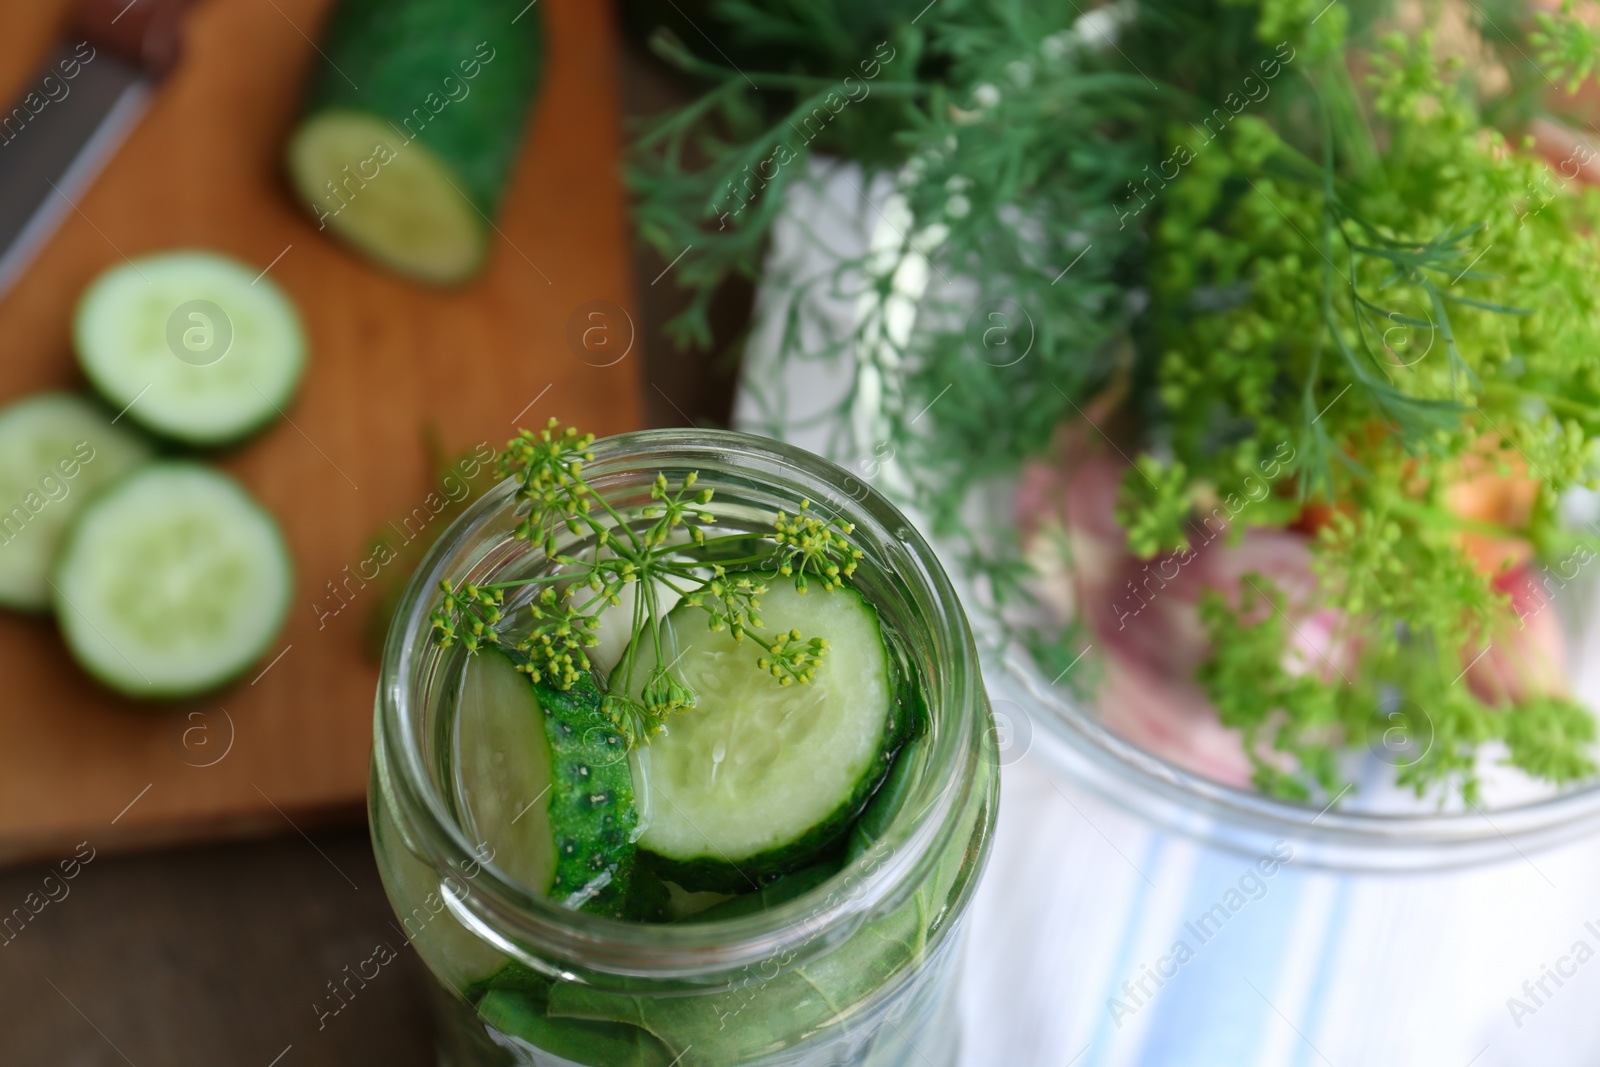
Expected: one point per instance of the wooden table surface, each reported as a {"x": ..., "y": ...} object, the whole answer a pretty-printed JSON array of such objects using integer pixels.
[
  {"x": 389, "y": 359},
  {"x": 216, "y": 954},
  {"x": 211, "y": 957}
]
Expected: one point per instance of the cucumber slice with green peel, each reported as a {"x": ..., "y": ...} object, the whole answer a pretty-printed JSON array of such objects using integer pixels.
[
  {"x": 758, "y": 778},
  {"x": 886, "y": 803},
  {"x": 649, "y": 897},
  {"x": 193, "y": 346},
  {"x": 56, "y": 450},
  {"x": 411, "y": 128},
  {"x": 172, "y": 582},
  {"x": 504, "y": 769},
  {"x": 547, "y": 785},
  {"x": 780, "y": 891}
]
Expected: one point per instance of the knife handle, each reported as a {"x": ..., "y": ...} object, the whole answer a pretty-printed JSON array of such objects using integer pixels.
[{"x": 146, "y": 33}]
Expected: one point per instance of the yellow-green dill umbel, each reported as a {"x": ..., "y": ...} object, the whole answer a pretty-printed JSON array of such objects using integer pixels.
[{"x": 593, "y": 553}]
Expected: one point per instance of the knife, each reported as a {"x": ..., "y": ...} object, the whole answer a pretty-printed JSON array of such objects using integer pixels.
[{"x": 74, "y": 114}]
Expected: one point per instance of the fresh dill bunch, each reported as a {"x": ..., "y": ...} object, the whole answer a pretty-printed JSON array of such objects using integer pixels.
[
  {"x": 1251, "y": 688},
  {"x": 1363, "y": 287},
  {"x": 1025, "y": 159},
  {"x": 1400, "y": 330},
  {"x": 1022, "y": 137},
  {"x": 992, "y": 117},
  {"x": 712, "y": 174},
  {"x": 595, "y": 554}
]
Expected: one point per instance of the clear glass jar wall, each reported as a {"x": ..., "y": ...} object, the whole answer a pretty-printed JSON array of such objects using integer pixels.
[{"x": 858, "y": 971}]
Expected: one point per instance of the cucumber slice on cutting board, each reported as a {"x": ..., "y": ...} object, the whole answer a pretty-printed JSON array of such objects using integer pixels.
[
  {"x": 192, "y": 346},
  {"x": 411, "y": 128},
  {"x": 546, "y": 783},
  {"x": 171, "y": 582},
  {"x": 55, "y": 451},
  {"x": 756, "y": 779}
]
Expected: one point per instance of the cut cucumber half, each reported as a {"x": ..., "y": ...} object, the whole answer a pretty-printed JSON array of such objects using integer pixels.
[
  {"x": 193, "y": 346},
  {"x": 412, "y": 126},
  {"x": 55, "y": 451},
  {"x": 171, "y": 582},
  {"x": 546, "y": 784},
  {"x": 757, "y": 778},
  {"x": 412, "y": 217}
]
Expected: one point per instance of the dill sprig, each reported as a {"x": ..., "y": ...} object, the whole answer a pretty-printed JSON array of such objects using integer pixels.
[
  {"x": 1568, "y": 48},
  {"x": 665, "y": 551},
  {"x": 1391, "y": 328}
]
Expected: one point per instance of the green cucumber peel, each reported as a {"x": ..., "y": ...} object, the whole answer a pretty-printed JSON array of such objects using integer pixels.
[{"x": 575, "y": 841}]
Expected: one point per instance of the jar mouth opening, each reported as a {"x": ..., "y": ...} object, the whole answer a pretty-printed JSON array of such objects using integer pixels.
[{"x": 525, "y": 923}]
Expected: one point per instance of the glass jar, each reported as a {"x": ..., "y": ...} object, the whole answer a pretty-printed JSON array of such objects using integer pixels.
[
  {"x": 860, "y": 970},
  {"x": 1126, "y": 718},
  {"x": 1229, "y": 926}
]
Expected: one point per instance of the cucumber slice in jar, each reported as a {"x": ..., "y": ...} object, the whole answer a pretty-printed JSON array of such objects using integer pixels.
[
  {"x": 193, "y": 346},
  {"x": 171, "y": 582},
  {"x": 546, "y": 784},
  {"x": 757, "y": 778},
  {"x": 781, "y": 890},
  {"x": 55, "y": 451}
]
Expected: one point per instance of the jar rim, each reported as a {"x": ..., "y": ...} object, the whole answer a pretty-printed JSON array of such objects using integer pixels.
[
  {"x": 1248, "y": 821},
  {"x": 534, "y": 928}
]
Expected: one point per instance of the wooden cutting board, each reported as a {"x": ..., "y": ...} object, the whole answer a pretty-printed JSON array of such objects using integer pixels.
[{"x": 389, "y": 358}]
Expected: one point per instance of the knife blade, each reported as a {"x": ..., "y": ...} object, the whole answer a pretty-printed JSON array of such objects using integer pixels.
[{"x": 73, "y": 115}]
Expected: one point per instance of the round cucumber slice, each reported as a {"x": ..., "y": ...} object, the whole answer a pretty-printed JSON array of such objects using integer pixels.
[
  {"x": 757, "y": 778},
  {"x": 194, "y": 346},
  {"x": 55, "y": 451},
  {"x": 503, "y": 769},
  {"x": 546, "y": 784},
  {"x": 172, "y": 582},
  {"x": 409, "y": 216}
]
